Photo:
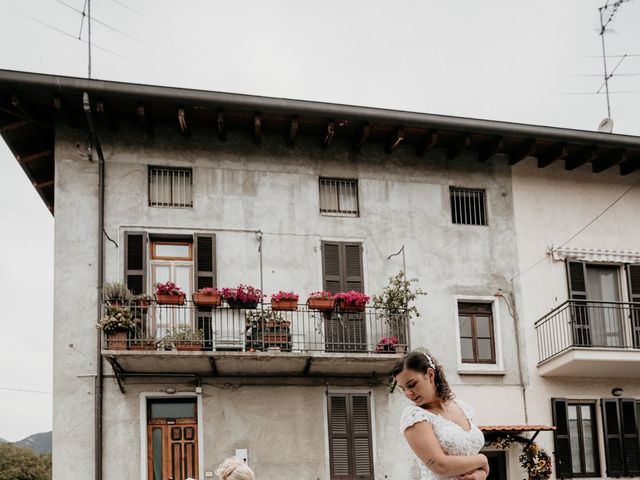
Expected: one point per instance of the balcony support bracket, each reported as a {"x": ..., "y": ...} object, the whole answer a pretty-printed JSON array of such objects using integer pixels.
[{"x": 118, "y": 371}]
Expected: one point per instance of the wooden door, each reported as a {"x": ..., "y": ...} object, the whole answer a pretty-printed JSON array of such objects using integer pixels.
[{"x": 172, "y": 449}]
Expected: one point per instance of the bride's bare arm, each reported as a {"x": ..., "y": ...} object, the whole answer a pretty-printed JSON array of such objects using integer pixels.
[{"x": 425, "y": 445}]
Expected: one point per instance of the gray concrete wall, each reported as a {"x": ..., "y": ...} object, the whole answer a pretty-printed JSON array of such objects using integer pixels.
[{"x": 240, "y": 186}]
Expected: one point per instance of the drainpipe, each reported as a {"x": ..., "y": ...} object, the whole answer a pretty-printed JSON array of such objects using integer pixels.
[{"x": 98, "y": 385}]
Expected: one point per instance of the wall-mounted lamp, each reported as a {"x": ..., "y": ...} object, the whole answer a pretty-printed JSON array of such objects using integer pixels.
[
  {"x": 617, "y": 392},
  {"x": 170, "y": 390}
]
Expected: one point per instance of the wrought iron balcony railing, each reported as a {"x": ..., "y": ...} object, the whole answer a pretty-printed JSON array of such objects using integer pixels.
[
  {"x": 585, "y": 324},
  {"x": 189, "y": 327}
]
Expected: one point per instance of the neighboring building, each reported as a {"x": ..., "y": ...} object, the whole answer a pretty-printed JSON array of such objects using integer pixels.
[{"x": 209, "y": 189}]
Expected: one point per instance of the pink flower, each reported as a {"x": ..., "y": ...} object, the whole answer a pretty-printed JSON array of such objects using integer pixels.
[
  {"x": 281, "y": 295},
  {"x": 168, "y": 288},
  {"x": 243, "y": 293},
  {"x": 321, "y": 294},
  {"x": 208, "y": 291},
  {"x": 352, "y": 297}
]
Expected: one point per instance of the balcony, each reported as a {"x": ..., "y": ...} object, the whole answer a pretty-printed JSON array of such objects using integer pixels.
[
  {"x": 187, "y": 339},
  {"x": 582, "y": 338}
]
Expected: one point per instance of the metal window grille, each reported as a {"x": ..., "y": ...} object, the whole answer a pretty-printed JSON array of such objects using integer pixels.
[
  {"x": 468, "y": 206},
  {"x": 339, "y": 197},
  {"x": 170, "y": 187}
]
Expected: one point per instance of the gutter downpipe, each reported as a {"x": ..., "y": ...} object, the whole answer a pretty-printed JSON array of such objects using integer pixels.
[{"x": 98, "y": 385}]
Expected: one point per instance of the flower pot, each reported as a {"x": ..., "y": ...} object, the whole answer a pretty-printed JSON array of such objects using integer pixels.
[
  {"x": 170, "y": 299},
  {"x": 202, "y": 300},
  {"x": 351, "y": 307},
  {"x": 320, "y": 303},
  {"x": 235, "y": 303},
  {"x": 275, "y": 338},
  {"x": 140, "y": 345},
  {"x": 188, "y": 346},
  {"x": 283, "y": 325},
  {"x": 285, "y": 304},
  {"x": 117, "y": 340}
]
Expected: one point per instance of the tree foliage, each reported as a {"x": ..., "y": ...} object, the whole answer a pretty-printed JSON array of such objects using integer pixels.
[{"x": 17, "y": 463}]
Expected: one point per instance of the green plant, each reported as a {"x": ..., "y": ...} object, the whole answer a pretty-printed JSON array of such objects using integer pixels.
[
  {"x": 266, "y": 318},
  {"x": 116, "y": 319},
  {"x": 184, "y": 335},
  {"x": 398, "y": 295},
  {"x": 117, "y": 292}
]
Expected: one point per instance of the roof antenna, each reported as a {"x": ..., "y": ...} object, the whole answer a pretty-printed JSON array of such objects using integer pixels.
[{"x": 606, "y": 125}]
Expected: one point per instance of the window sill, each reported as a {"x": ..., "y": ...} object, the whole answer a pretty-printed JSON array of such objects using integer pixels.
[{"x": 484, "y": 371}]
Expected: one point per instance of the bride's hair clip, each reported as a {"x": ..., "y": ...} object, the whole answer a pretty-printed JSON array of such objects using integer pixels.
[{"x": 430, "y": 361}]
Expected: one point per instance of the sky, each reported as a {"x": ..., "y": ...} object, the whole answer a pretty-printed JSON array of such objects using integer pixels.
[{"x": 512, "y": 60}]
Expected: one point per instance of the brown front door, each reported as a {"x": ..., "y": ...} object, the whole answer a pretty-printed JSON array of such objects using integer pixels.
[{"x": 172, "y": 446}]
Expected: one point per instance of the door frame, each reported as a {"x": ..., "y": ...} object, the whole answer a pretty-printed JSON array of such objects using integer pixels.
[{"x": 144, "y": 397}]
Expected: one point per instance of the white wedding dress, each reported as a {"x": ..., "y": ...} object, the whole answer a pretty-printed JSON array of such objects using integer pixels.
[{"x": 453, "y": 439}]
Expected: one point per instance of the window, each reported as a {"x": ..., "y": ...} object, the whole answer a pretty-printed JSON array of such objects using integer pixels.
[
  {"x": 339, "y": 197},
  {"x": 350, "y": 444},
  {"x": 170, "y": 187},
  {"x": 477, "y": 343},
  {"x": 468, "y": 206},
  {"x": 576, "y": 444}
]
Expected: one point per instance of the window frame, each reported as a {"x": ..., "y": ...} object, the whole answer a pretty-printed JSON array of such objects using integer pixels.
[
  {"x": 453, "y": 189},
  {"x": 595, "y": 446},
  {"x": 172, "y": 203},
  {"x": 474, "y": 336},
  {"x": 465, "y": 368},
  {"x": 339, "y": 181},
  {"x": 153, "y": 255}
]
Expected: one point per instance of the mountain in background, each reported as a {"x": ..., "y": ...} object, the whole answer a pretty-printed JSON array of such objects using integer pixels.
[{"x": 38, "y": 442}]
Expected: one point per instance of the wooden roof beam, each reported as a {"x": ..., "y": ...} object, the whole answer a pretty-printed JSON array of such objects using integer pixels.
[
  {"x": 328, "y": 133},
  {"x": 606, "y": 161},
  {"x": 551, "y": 155},
  {"x": 182, "y": 122},
  {"x": 395, "y": 140},
  {"x": 458, "y": 146},
  {"x": 65, "y": 112},
  {"x": 257, "y": 127},
  {"x": 522, "y": 151},
  {"x": 363, "y": 135},
  {"x": 106, "y": 118},
  {"x": 46, "y": 183},
  {"x": 629, "y": 166},
  {"x": 12, "y": 126},
  {"x": 34, "y": 156},
  {"x": 429, "y": 141},
  {"x": 491, "y": 148},
  {"x": 222, "y": 132},
  {"x": 579, "y": 158},
  {"x": 145, "y": 118},
  {"x": 293, "y": 131}
]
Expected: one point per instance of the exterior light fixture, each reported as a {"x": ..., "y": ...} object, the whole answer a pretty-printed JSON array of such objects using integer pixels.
[{"x": 616, "y": 392}]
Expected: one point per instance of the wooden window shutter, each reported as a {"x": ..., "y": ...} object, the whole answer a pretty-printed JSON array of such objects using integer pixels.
[
  {"x": 352, "y": 272},
  {"x": 612, "y": 436},
  {"x": 633, "y": 282},
  {"x": 630, "y": 441},
  {"x": 361, "y": 435},
  {"x": 577, "y": 278},
  {"x": 135, "y": 261},
  {"x": 331, "y": 267},
  {"x": 205, "y": 257},
  {"x": 561, "y": 439},
  {"x": 339, "y": 437}
]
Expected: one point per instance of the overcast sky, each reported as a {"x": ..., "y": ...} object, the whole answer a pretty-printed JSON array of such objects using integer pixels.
[{"x": 535, "y": 62}]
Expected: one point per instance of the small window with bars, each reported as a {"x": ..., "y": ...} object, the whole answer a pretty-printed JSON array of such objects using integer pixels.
[
  {"x": 339, "y": 197},
  {"x": 170, "y": 187},
  {"x": 468, "y": 206}
]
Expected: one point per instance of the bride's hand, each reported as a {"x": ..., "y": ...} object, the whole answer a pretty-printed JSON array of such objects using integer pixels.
[{"x": 475, "y": 475}]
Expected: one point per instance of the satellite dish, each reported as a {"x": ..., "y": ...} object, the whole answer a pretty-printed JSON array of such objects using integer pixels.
[{"x": 606, "y": 125}]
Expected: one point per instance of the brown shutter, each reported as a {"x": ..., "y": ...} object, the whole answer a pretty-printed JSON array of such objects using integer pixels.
[
  {"x": 350, "y": 451},
  {"x": 361, "y": 434},
  {"x": 633, "y": 281},
  {"x": 135, "y": 260},
  {"x": 630, "y": 445},
  {"x": 205, "y": 256},
  {"x": 561, "y": 439},
  {"x": 331, "y": 263},
  {"x": 577, "y": 277},
  {"x": 612, "y": 437},
  {"x": 577, "y": 280},
  {"x": 352, "y": 274},
  {"x": 339, "y": 437}
]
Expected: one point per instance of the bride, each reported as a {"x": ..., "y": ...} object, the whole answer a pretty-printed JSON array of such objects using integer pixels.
[{"x": 438, "y": 427}]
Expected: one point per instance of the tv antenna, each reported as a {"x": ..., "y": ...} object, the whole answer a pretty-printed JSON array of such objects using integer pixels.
[{"x": 609, "y": 8}]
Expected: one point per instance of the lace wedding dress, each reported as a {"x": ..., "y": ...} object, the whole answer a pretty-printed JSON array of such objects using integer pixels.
[{"x": 453, "y": 439}]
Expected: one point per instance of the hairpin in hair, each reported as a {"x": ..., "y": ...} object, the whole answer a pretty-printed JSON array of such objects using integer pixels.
[{"x": 430, "y": 361}]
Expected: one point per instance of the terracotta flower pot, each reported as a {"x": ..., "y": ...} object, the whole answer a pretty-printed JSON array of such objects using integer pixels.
[
  {"x": 320, "y": 303},
  {"x": 140, "y": 345},
  {"x": 170, "y": 299},
  {"x": 188, "y": 346},
  {"x": 202, "y": 300},
  {"x": 117, "y": 340},
  {"x": 286, "y": 304},
  {"x": 351, "y": 307}
]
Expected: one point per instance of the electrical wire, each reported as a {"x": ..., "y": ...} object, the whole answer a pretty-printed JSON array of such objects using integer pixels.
[
  {"x": 579, "y": 231},
  {"x": 127, "y": 7},
  {"x": 25, "y": 390},
  {"x": 94, "y": 19}
]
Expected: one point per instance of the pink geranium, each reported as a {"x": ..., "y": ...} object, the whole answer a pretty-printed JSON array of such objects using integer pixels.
[
  {"x": 208, "y": 291},
  {"x": 352, "y": 297},
  {"x": 323, "y": 294},
  {"x": 242, "y": 293},
  {"x": 387, "y": 344},
  {"x": 168, "y": 288},
  {"x": 282, "y": 295}
]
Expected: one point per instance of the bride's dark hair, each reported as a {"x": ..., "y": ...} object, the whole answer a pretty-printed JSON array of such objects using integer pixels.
[{"x": 421, "y": 361}]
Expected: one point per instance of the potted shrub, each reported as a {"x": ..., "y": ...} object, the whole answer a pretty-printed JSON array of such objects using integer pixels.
[
  {"x": 268, "y": 328},
  {"x": 207, "y": 297},
  {"x": 284, "y": 301},
  {"x": 322, "y": 300},
  {"x": 169, "y": 294},
  {"x": 116, "y": 324},
  {"x": 243, "y": 296},
  {"x": 387, "y": 345},
  {"x": 267, "y": 319},
  {"x": 185, "y": 339},
  {"x": 117, "y": 294},
  {"x": 395, "y": 304},
  {"x": 351, "y": 301}
]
